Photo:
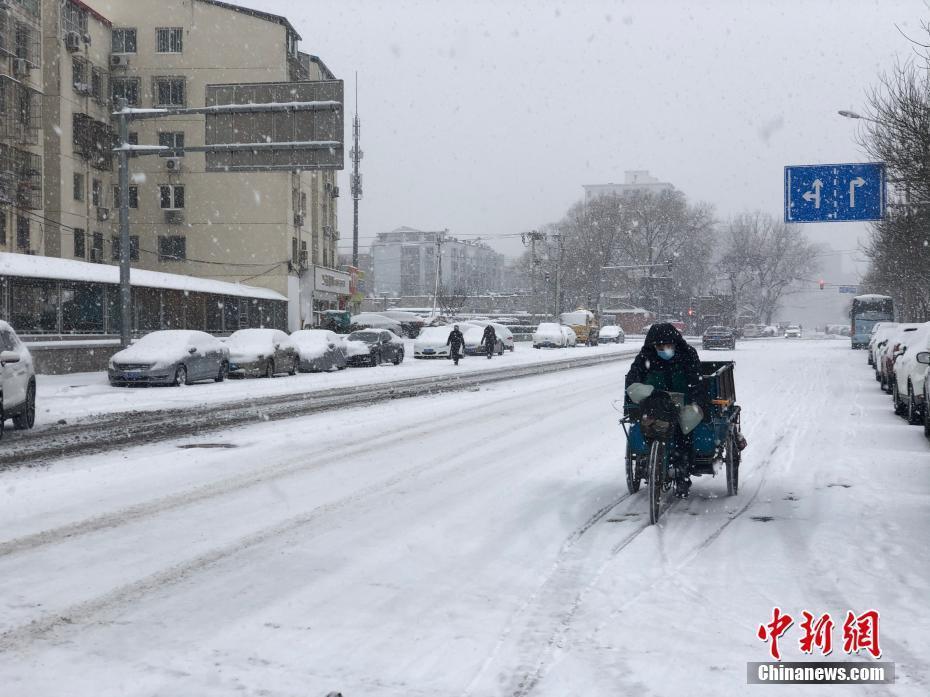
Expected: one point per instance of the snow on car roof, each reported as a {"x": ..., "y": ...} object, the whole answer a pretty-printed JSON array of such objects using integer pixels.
[{"x": 34, "y": 266}]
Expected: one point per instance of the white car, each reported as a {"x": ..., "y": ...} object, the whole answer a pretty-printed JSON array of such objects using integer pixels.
[
  {"x": 611, "y": 334},
  {"x": 375, "y": 320},
  {"x": 907, "y": 388},
  {"x": 17, "y": 381},
  {"x": 887, "y": 354},
  {"x": 752, "y": 331},
  {"x": 571, "y": 339},
  {"x": 793, "y": 332},
  {"x": 549, "y": 335},
  {"x": 503, "y": 333},
  {"x": 431, "y": 342},
  {"x": 770, "y": 330},
  {"x": 474, "y": 340}
]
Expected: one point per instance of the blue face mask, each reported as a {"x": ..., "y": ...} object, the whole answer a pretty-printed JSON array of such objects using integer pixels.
[{"x": 666, "y": 354}]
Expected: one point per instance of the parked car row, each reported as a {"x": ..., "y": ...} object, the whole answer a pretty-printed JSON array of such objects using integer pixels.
[
  {"x": 899, "y": 354},
  {"x": 17, "y": 381},
  {"x": 183, "y": 357},
  {"x": 432, "y": 342}
]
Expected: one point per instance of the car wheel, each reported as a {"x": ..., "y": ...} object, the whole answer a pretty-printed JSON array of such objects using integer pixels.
[
  {"x": 294, "y": 366},
  {"x": 180, "y": 376},
  {"x": 224, "y": 372},
  {"x": 926, "y": 417},
  {"x": 28, "y": 418},
  {"x": 398, "y": 357},
  {"x": 269, "y": 369},
  {"x": 375, "y": 360},
  {"x": 913, "y": 413},
  {"x": 899, "y": 407},
  {"x": 2, "y": 417}
]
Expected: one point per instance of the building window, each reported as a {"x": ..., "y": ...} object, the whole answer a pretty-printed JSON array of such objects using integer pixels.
[
  {"x": 78, "y": 73},
  {"x": 2, "y": 228},
  {"x": 169, "y": 40},
  {"x": 79, "y": 243},
  {"x": 126, "y": 88},
  {"x": 133, "y": 197},
  {"x": 124, "y": 41},
  {"x": 96, "y": 251},
  {"x": 96, "y": 189},
  {"x": 171, "y": 196},
  {"x": 169, "y": 91},
  {"x": 173, "y": 140},
  {"x": 96, "y": 84},
  {"x": 22, "y": 233},
  {"x": 133, "y": 247},
  {"x": 73, "y": 18},
  {"x": 172, "y": 248},
  {"x": 78, "y": 187}
]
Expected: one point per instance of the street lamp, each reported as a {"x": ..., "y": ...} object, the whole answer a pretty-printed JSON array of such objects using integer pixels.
[{"x": 853, "y": 115}]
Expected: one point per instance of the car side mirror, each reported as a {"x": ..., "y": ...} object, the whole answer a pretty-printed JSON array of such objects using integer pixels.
[
  {"x": 192, "y": 350},
  {"x": 9, "y": 357},
  {"x": 923, "y": 357},
  {"x": 332, "y": 345}
]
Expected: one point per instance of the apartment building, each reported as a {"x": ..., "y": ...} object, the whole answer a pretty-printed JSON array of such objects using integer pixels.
[
  {"x": 21, "y": 146},
  {"x": 403, "y": 263},
  {"x": 64, "y": 64},
  {"x": 633, "y": 180}
]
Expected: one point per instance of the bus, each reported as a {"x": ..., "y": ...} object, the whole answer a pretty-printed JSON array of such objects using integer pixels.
[{"x": 867, "y": 310}]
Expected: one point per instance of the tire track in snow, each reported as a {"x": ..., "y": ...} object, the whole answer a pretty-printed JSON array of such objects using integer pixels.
[{"x": 82, "y": 612}]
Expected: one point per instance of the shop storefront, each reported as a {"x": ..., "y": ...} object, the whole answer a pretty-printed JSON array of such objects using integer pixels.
[{"x": 330, "y": 291}]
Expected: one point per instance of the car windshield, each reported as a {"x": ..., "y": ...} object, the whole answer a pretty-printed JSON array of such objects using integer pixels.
[{"x": 241, "y": 457}]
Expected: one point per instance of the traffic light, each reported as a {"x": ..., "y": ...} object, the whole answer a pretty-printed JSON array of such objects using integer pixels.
[
  {"x": 690, "y": 312},
  {"x": 822, "y": 284}
]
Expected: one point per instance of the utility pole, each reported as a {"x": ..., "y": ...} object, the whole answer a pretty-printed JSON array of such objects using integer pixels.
[
  {"x": 439, "y": 241},
  {"x": 558, "y": 278},
  {"x": 534, "y": 236},
  {"x": 356, "y": 155},
  {"x": 125, "y": 290}
]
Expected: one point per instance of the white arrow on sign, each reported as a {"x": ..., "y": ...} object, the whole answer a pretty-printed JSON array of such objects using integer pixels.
[
  {"x": 858, "y": 181},
  {"x": 815, "y": 194}
]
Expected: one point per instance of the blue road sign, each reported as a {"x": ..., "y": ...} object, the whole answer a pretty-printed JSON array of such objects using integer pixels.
[
  {"x": 852, "y": 290},
  {"x": 834, "y": 193}
]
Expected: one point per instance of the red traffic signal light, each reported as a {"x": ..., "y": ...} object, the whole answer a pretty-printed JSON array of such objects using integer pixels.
[
  {"x": 822, "y": 285},
  {"x": 690, "y": 312}
]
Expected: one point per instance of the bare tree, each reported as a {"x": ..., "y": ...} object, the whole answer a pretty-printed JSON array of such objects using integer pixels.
[
  {"x": 763, "y": 260},
  {"x": 451, "y": 299}
]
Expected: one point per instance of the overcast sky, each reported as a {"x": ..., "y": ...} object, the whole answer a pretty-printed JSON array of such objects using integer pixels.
[{"x": 487, "y": 117}]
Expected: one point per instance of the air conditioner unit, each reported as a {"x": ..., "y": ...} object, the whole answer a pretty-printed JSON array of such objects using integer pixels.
[
  {"x": 174, "y": 216},
  {"x": 103, "y": 214},
  {"x": 335, "y": 192},
  {"x": 20, "y": 67},
  {"x": 298, "y": 219},
  {"x": 82, "y": 88},
  {"x": 85, "y": 38},
  {"x": 173, "y": 164},
  {"x": 119, "y": 61},
  {"x": 72, "y": 41},
  {"x": 96, "y": 255}
]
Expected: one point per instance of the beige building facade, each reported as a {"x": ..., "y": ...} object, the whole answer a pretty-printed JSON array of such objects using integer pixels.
[{"x": 266, "y": 229}]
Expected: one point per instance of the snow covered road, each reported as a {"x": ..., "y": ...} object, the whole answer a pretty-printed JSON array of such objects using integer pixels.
[{"x": 475, "y": 543}]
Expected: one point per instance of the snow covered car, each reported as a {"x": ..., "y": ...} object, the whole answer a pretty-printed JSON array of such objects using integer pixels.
[
  {"x": 571, "y": 338},
  {"x": 383, "y": 346},
  {"x": 908, "y": 375},
  {"x": 888, "y": 353},
  {"x": 769, "y": 330},
  {"x": 410, "y": 323},
  {"x": 431, "y": 342},
  {"x": 474, "y": 334},
  {"x": 375, "y": 320},
  {"x": 503, "y": 333},
  {"x": 17, "y": 381},
  {"x": 170, "y": 357},
  {"x": 752, "y": 331},
  {"x": 319, "y": 350},
  {"x": 877, "y": 338},
  {"x": 793, "y": 331},
  {"x": 261, "y": 353},
  {"x": 549, "y": 335},
  {"x": 611, "y": 334},
  {"x": 718, "y": 337}
]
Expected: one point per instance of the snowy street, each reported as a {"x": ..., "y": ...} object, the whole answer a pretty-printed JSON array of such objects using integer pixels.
[{"x": 477, "y": 543}]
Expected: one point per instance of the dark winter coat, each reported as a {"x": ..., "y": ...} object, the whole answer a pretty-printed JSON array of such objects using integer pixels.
[
  {"x": 456, "y": 340},
  {"x": 681, "y": 373},
  {"x": 489, "y": 338}
]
